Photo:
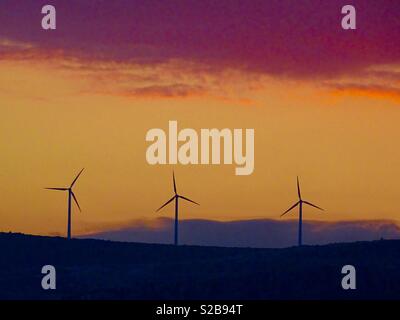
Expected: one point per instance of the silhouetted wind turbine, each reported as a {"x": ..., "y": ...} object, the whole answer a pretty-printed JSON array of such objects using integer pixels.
[
  {"x": 300, "y": 204},
  {"x": 176, "y": 197},
  {"x": 70, "y": 195}
]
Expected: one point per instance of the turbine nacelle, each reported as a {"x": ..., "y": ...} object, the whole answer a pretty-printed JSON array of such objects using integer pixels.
[
  {"x": 69, "y": 189},
  {"x": 71, "y": 196},
  {"x": 175, "y": 197},
  {"x": 300, "y": 205},
  {"x": 301, "y": 201}
]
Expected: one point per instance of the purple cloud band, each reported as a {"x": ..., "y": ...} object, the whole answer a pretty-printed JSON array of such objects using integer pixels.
[
  {"x": 278, "y": 37},
  {"x": 262, "y": 233}
]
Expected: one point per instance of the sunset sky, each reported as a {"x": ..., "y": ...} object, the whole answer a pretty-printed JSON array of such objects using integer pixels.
[{"x": 324, "y": 103}]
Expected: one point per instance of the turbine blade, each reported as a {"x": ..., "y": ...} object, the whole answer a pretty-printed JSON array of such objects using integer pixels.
[
  {"x": 313, "y": 205},
  {"x": 60, "y": 189},
  {"x": 76, "y": 201},
  {"x": 73, "y": 182},
  {"x": 187, "y": 199},
  {"x": 173, "y": 177},
  {"x": 298, "y": 188},
  {"x": 170, "y": 200},
  {"x": 292, "y": 207}
]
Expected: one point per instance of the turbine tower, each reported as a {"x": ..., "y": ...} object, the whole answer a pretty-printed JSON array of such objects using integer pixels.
[
  {"x": 176, "y": 198},
  {"x": 300, "y": 204},
  {"x": 71, "y": 196}
]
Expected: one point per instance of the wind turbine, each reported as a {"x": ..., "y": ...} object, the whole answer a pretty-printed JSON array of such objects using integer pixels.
[
  {"x": 71, "y": 196},
  {"x": 300, "y": 204},
  {"x": 176, "y": 198}
]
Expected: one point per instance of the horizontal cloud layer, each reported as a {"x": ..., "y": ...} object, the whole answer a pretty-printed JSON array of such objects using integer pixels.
[{"x": 252, "y": 233}]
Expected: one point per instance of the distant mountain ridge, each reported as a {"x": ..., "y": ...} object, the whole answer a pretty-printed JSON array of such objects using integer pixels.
[{"x": 257, "y": 233}]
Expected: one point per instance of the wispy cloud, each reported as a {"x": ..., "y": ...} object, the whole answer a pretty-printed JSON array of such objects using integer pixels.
[
  {"x": 12, "y": 45},
  {"x": 376, "y": 81},
  {"x": 373, "y": 90},
  {"x": 168, "y": 91}
]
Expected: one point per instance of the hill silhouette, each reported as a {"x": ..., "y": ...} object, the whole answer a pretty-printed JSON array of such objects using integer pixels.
[{"x": 98, "y": 269}]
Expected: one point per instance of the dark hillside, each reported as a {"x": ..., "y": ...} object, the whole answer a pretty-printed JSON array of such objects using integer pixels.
[{"x": 95, "y": 269}]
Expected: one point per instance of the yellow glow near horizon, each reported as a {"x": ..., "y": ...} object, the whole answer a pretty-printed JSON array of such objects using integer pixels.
[{"x": 57, "y": 119}]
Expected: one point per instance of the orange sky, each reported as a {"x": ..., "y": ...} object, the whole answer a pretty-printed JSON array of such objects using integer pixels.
[{"x": 59, "y": 115}]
